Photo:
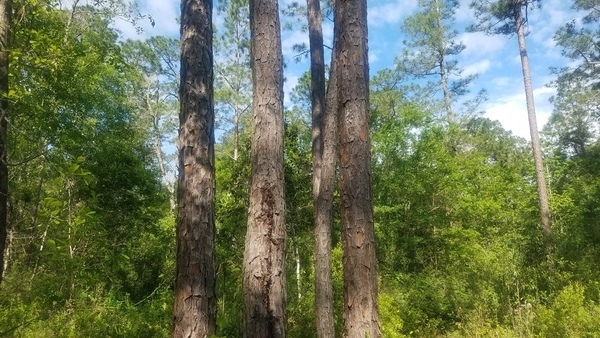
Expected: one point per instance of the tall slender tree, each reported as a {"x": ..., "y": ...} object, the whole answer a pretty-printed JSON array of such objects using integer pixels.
[
  {"x": 233, "y": 78},
  {"x": 361, "y": 318},
  {"x": 506, "y": 17},
  {"x": 575, "y": 120},
  {"x": 324, "y": 147},
  {"x": 264, "y": 280},
  {"x": 430, "y": 46},
  {"x": 156, "y": 99},
  {"x": 5, "y": 16},
  {"x": 195, "y": 293}
]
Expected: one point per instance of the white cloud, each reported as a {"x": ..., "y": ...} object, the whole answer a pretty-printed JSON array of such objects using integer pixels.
[
  {"x": 290, "y": 39},
  {"x": 373, "y": 56},
  {"x": 464, "y": 13},
  {"x": 478, "y": 43},
  {"x": 511, "y": 111},
  {"x": 544, "y": 22},
  {"x": 164, "y": 14},
  {"x": 390, "y": 13},
  {"x": 290, "y": 82},
  {"x": 328, "y": 33},
  {"x": 503, "y": 81},
  {"x": 477, "y": 67}
]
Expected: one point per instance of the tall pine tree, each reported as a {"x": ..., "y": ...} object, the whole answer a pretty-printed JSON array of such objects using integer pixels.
[
  {"x": 5, "y": 16},
  {"x": 264, "y": 281},
  {"x": 506, "y": 17},
  {"x": 361, "y": 317},
  {"x": 195, "y": 293}
]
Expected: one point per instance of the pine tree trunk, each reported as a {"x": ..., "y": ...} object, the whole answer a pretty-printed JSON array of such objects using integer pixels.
[
  {"x": 5, "y": 16},
  {"x": 535, "y": 138},
  {"x": 324, "y": 148},
  {"x": 361, "y": 318},
  {"x": 442, "y": 60},
  {"x": 264, "y": 282},
  {"x": 194, "y": 313}
]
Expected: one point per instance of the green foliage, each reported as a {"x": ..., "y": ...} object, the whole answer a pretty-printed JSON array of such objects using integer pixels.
[
  {"x": 92, "y": 236},
  {"x": 430, "y": 51},
  {"x": 574, "y": 123},
  {"x": 233, "y": 182},
  {"x": 460, "y": 253},
  {"x": 498, "y": 16},
  {"x": 568, "y": 315}
]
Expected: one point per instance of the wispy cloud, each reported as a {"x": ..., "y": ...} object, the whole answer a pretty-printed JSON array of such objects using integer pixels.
[
  {"x": 290, "y": 39},
  {"x": 464, "y": 12},
  {"x": 164, "y": 14},
  {"x": 478, "y": 43},
  {"x": 511, "y": 111},
  {"x": 477, "y": 67},
  {"x": 390, "y": 13},
  {"x": 373, "y": 56},
  {"x": 291, "y": 81},
  {"x": 503, "y": 81}
]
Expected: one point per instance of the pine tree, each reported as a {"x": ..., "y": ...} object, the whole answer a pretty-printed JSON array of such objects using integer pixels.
[
  {"x": 324, "y": 148},
  {"x": 264, "y": 281},
  {"x": 506, "y": 17},
  {"x": 194, "y": 312},
  {"x": 233, "y": 78},
  {"x": 430, "y": 47},
  {"x": 575, "y": 121},
  {"x": 361, "y": 317},
  {"x": 5, "y": 23}
]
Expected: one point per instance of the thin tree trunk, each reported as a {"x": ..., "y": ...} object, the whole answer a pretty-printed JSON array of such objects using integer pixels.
[
  {"x": 324, "y": 147},
  {"x": 535, "y": 138},
  {"x": 236, "y": 132},
  {"x": 361, "y": 318},
  {"x": 194, "y": 313},
  {"x": 157, "y": 146},
  {"x": 298, "y": 269},
  {"x": 5, "y": 18},
  {"x": 9, "y": 245},
  {"x": 443, "y": 70},
  {"x": 264, "y": 282}
]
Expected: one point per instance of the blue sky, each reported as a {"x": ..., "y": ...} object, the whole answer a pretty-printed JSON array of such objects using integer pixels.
[{"x": 494, "y": 58}]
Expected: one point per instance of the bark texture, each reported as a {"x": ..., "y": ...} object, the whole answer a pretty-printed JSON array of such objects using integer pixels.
[
  {"x": 264, "y": 254},
  {"x": 5, "y": 16},
  {"x": 361, "y": 318},
  {"x": 195, "y": 294},
  {"x": 533, "y": 129},
  {"x": 324, "y": 153}
]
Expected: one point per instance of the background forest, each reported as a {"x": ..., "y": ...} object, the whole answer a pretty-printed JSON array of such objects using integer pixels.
[{"x": 90, "y": 248}]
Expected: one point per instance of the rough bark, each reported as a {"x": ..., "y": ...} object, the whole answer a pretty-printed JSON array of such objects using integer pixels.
[
  {"x": 361, "y": 317},
  {"x": 324, "y": 148},
  {"x": 533, "y": 129},
  {"x": 5, "y": 16},
  {"x": 195, "y": 294},
  {"x": 264, "y": 281}
]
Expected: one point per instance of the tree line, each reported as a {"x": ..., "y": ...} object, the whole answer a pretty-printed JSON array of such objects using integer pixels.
[{"x": 374, "y": 206}]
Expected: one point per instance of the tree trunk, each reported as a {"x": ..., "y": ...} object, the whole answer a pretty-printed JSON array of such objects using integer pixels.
[
  {"x": 443, "y": 70},
  {"x": 194, "y": 313},
  {"x": 5, "y": 16},
  {"x": 157, "y": 146},
  {"x": 264, "y": 281},
  {"x": 324, "y": 147},
  {"x": 533, "y": 129},
  {"x": 361, "y": 318},
  {"x": 236, "y": 132}
]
